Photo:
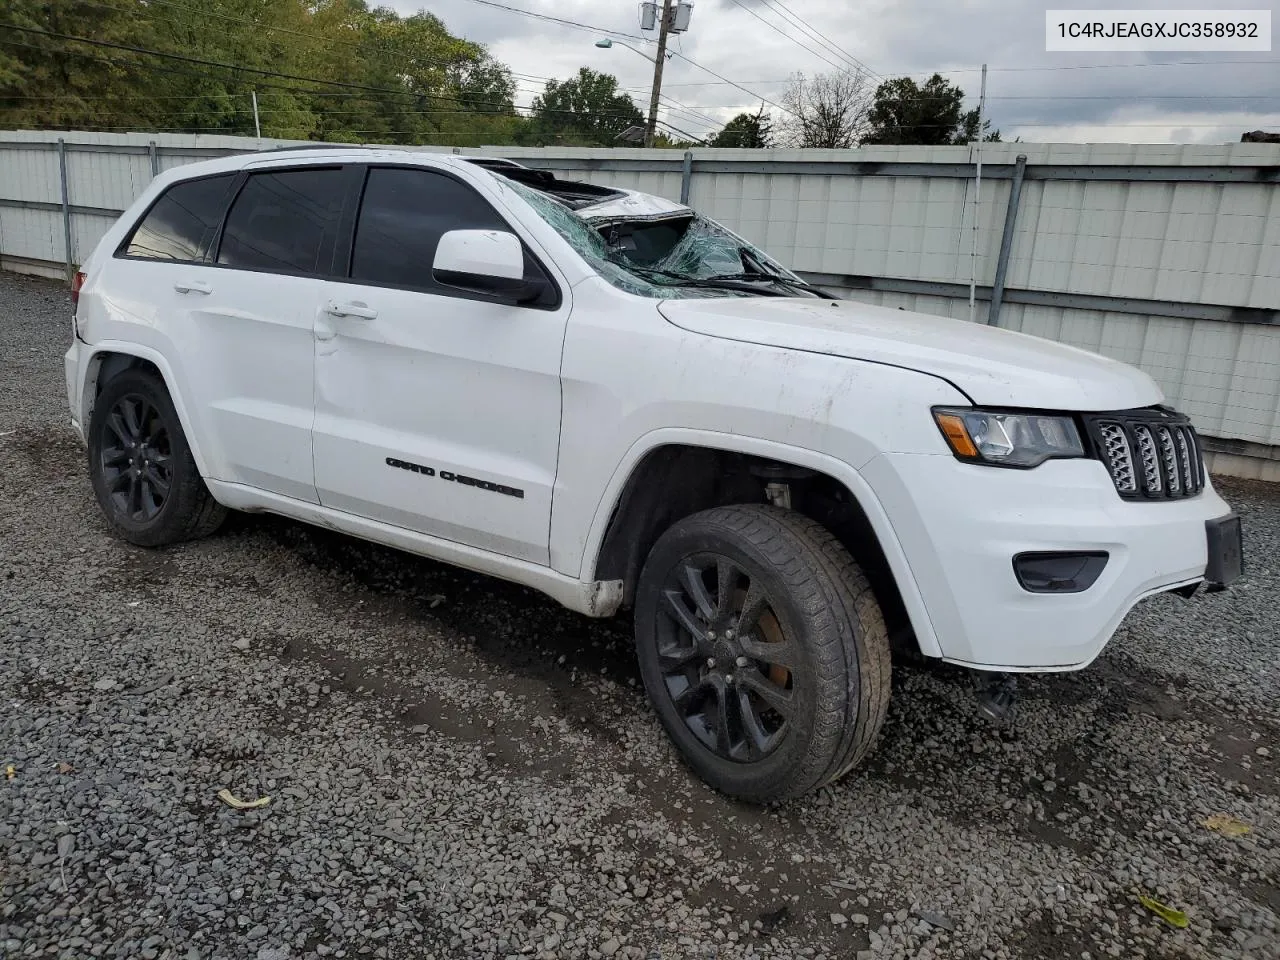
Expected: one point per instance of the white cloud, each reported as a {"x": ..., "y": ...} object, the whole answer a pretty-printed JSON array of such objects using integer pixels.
[{"x": 1102, "y": 97}]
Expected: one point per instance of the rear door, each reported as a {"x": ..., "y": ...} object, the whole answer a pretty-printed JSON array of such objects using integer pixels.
[
  {"x": 437, "y": 410},
  {"x": 252, "y": 321}
]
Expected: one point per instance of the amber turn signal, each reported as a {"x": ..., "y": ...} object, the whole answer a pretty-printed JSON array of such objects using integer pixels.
[{"x": 953, "y": 429}]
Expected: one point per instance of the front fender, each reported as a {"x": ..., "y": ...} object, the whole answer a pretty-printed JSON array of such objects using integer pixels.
[{"x": 842, "y": 472}]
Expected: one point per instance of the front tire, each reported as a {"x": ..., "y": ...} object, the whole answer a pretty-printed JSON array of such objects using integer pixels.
[
  {"x": 763, "y": 651},
  {"x": 144, "y": 476}
]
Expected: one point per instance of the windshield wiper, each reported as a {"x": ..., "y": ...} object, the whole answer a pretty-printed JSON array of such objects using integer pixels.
[
  {"x": 755, "y": 275},
  {"x": 754, "y": 268},
  {"x": 686, "y": 280}
]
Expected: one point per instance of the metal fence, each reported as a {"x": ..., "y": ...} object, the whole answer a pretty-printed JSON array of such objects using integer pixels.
[{"x": 1166, "y": 257}]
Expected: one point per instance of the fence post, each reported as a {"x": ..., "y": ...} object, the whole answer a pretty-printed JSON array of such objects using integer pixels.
[
  {"x": 686, "y": 176},
  {"x": 66, "y": 207},
  {"x": 155, "y": 159},
  {"x": 1006, "y": 242}
]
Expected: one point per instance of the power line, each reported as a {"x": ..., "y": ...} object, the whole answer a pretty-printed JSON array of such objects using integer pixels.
[
  {"x": 200, "y": 61},
  {"x": 399, "y": 113},
  {"x": 1118, "y": 66},
  {"x": 226, "y": 66},
  {"x": 1050, "y": 69},
  {"x": 683, "y": 133},
  {"x": 285, "y": 30},
  {"x": 271, "y": 111},
  {"x": 813, "y": 31},
  {"x": 668, "y": 101},
  {"x": 774, "y": 27},
  {"x": 688, "y": 111},
  {"x": 567, "y": 23},
  {"x": 731, "y": 83},
  {"x": 332, "y": 113},
  {"x": 583, "y": 26}
]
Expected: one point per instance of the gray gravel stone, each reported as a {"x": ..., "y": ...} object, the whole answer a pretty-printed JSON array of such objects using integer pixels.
[{"x": 441, "y": 786}]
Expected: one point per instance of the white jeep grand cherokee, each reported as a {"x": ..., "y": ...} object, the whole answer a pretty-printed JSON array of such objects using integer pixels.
[{"x": 613, "y": 400}]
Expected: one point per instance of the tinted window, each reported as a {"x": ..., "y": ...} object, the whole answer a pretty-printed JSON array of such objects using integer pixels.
[
  {"x": 401, "y": 219},
  {"x": 282, "y": 221},
  {"x": 184, "y": 221}
]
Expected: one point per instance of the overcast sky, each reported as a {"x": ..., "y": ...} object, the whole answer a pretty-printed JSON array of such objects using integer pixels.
[{"x": 1189, "y": 97}]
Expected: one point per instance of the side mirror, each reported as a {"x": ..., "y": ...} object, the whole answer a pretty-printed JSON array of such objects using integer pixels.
[{"x": 484, "y": 261}]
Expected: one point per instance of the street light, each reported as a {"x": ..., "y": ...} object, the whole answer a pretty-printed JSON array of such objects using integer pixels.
[{"x": 606, "y": 43}]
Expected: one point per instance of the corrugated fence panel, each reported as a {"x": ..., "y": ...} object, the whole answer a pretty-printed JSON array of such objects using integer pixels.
[
  {"x": 1140, "y": 237},
  {"x": 86, "y": 231},
  {"x": 33, "y": 234},
  {"x": 30, "y": 173},
  {"x": 108, "y": 180}
]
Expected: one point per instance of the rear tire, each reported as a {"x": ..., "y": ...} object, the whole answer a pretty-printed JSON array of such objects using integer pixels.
[
  {"x": 144, "y": 476},
  {"x": 763, "y": 651}
]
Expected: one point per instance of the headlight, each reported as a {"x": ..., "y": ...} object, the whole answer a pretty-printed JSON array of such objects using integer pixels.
[{"x": 1008, "y": 439}]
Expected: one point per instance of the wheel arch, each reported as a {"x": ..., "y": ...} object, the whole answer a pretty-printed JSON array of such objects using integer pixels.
[
  {"x": 109, "y": 359},
  {"x": 669, "y": 475}
]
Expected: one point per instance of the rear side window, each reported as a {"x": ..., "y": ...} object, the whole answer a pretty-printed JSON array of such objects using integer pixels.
[
  {"x": 283, "y": 221},
  {"x": 403, "y": 214},
  {"x": 183, "y": 223}
]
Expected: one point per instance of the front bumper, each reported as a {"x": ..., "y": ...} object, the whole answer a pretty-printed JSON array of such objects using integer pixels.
[{"x": 960, "y": 526}]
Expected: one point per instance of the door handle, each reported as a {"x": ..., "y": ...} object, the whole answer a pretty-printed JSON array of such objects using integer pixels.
[
  {"x": 193, "y": 286},
  {"x": 350, "y": 310}
]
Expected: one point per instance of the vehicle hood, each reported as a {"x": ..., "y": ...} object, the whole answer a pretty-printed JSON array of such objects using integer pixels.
[{"x": 994, "y": 367}]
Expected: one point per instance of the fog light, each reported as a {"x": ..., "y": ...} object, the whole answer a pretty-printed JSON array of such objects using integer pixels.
[{"x": 1059, "y": 571}]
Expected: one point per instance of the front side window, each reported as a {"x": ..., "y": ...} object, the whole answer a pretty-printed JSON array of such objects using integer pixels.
[
  {"x": 282, "y": 220},
  {"x": 402, "y": 217},
  {"x": 183, "y": 223},
  {"x": 403, "y": 214}
]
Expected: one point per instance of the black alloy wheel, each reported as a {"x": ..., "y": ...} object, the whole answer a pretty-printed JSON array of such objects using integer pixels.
[
  {"x": 144, "y": 474},
  {"x": 136, "y": 458},
  {"x": 725, "y": 662},
  {"x": 762, "y": 649}
]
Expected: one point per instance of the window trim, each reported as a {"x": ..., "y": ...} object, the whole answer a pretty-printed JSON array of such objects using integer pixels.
[
  {"x": 234, "y": 178},
  {"x": 328, "y": 243},
  {"x": 347, "y": 245}
]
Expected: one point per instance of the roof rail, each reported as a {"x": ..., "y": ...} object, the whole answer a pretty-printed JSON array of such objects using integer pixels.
[{"x": 319, "y": 146}]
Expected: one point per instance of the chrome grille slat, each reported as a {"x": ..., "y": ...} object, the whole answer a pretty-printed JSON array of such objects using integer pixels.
[
  {"x": 1151, "y": 479},
  {"x": 1150, "y": 454},
  {"x": 1197, "y": 458},
  {"x": 1169, "y": 460},
  {"x": 1119, "y": 457}
]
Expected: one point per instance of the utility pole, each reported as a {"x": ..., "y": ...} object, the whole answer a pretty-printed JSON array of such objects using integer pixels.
[
  {"x": 652, "y": 125},
  {"x": 257, "y": 127},
  {"x": 977, "y": 196}
]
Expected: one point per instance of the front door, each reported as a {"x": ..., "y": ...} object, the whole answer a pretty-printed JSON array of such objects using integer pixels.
[{"x": 436, "y": 410}]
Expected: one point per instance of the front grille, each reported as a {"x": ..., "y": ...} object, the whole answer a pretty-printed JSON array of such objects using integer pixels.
[{"x": 1152, "y": 453}]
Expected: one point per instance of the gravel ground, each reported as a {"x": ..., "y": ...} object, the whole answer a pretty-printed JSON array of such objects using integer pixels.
[{"x": 459, "y": 768}]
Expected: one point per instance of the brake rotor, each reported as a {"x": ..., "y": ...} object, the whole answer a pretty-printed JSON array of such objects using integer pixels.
[{"x": 770, "y": 632}]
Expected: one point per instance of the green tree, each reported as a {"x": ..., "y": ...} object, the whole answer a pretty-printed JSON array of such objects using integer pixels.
[
  {"x": 665, "y": 141},
  {"x": 350, "y": 73},
  {"x": 746, "y": 130},
  {"x": 904, "y": 112},
  {"x": 46, "y": 81},
  {"x": 585, "y": 110},
  {"x": 233, "y": 32}
]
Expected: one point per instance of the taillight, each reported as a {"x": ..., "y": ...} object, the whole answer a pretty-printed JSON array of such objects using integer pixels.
[{"x": 76, "y": 284}]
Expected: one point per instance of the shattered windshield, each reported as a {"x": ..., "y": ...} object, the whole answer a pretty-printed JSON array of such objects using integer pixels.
[
  {"x": 661, "y": 259},
  {"x": 705, "y": 249}
]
